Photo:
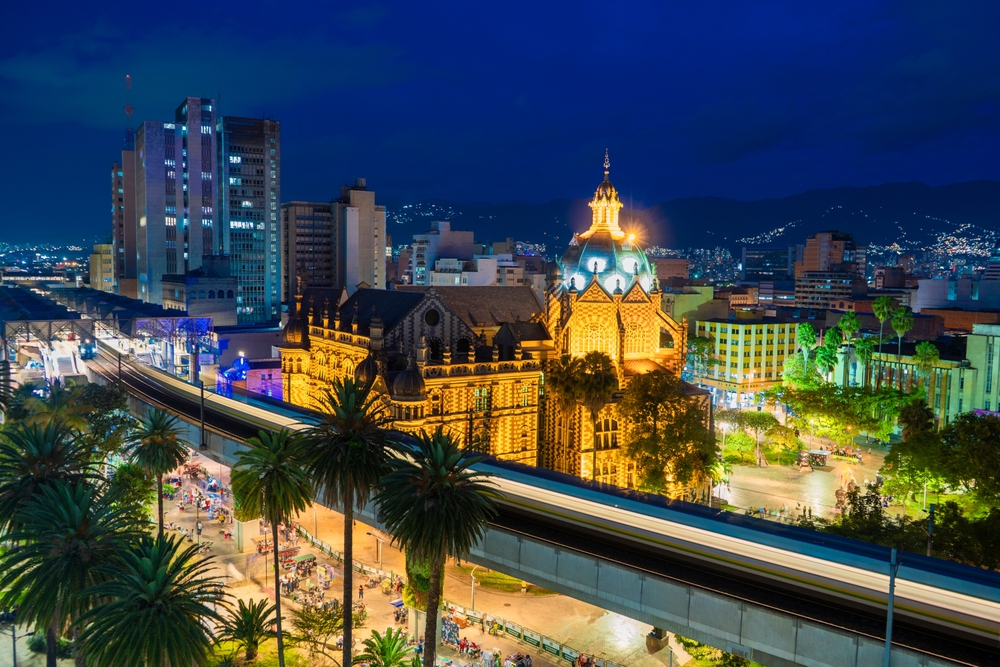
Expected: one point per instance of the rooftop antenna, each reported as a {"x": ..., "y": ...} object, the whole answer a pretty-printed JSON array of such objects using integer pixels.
[{"x": 129, "y": 135}]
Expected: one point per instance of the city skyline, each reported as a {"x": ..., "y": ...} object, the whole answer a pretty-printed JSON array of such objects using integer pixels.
[{"x": 755, "y": 103}]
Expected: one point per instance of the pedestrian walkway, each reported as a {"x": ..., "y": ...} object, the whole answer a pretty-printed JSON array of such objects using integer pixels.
[{"x": 589, "y": 629}]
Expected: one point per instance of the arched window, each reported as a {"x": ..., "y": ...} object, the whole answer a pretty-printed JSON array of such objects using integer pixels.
[
  {"x": 462, "y": 348},
  {"x": 211, "y": 294},
  {"x": 201, "y": 294},
  {"x": 666, "y": 339},
  {"x": 597, "y": 339},
  {"x": 634, "y": 343},
  {"x": 607, "y": 434},
  {"x": 434, "y": 348},
  {"x": 229, "y": 294},
  {"x": 222, "y": 294}
]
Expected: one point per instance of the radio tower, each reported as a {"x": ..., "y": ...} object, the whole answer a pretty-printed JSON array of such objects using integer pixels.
[{"x": 129, "y": 135}]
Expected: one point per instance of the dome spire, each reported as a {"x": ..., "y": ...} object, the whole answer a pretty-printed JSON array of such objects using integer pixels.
[
  {"x": 605, "y": 207},
  {"x": 607, "y": 165}
]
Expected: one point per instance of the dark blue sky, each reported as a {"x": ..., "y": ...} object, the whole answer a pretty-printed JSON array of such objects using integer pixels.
[{"x": 508, "y": 101}]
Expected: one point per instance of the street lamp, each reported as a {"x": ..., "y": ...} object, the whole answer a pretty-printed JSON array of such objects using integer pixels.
[
  {"x": 472, "y": 601},
  {"x": 379, "y": 540}
]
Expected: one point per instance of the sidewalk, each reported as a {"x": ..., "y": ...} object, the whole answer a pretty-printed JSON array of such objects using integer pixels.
[{"x": 586, "y": 628}]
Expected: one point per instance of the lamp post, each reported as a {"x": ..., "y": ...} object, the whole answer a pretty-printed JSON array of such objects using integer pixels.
[
  {"x": 379, "y": 547},
  {"x": 472, "y": 600},
  {"x": 201, "y": 387}
]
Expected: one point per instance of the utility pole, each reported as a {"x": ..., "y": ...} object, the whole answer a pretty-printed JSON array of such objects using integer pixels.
[
  {"x": 472, "y": 601},
  {"x": 893, "y": 568},
  {"x": 930, "y": 531},
  {"x": 201, "y": 386}
]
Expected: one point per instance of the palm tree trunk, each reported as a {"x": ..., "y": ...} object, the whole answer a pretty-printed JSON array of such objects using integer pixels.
[
  {"x": 899, "y": 362},
  {"x": 433, "y": 604},
  {"x": 593, "y": 468},
  {"x": 159, "y": 501},
  {"x": 348, "y": 572},
  {"x": 51, "y": 645},
  {"x": 878, "y": 377},
  {"x": 277, "y": 593}
]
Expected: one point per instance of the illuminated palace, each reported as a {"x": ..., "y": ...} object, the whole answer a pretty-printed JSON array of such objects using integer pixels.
[
  {"x": 603, "y": 296},
  {"x": 471, "y": 359},
  {"x": 467, "y": 359}
]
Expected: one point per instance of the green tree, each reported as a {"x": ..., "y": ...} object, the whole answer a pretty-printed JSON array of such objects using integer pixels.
[
  {"x": 133, "y": 489},
  {"x": 434, "y": 504},
  {"x": 598, "y": 383},
  {"x": 63, "y": 405},
  {"x": 699, "y": 355},
  {"x": 269, "y": 481},
  {"x": 666, "y": 435},
  {"x": 742, "y": 444},
  {"x": 158, "y": 604},
  {"x": 902, "y": 322},
  {"x": 805, "y": 337},
  {"x": 157, "y": 449},
  {"x": 109, "y": 420},
  {"x": 759, "y": 423},
  {"x": 849, "y": 324},
  {"x": 391, "y": 649},
  {"x": 826, "y": 360},
  {"x": 318, "y": 628},
  {"x": 562, "y": 379},
  {"x": 248, "y": 626},
  {"x": 66, "y": 532},
  {"x": 915, "y": 417},
  {"x": 33, "y": 457},
  {"x": 864, "y": 350},
  {"x": 972, "y": 458},
  {"x": 884, "y": 307},
  {"x": 924, "y": 358},
  {"x": 346, "y": 455}
]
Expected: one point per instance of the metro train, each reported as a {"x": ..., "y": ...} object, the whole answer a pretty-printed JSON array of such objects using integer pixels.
[{"x": 951, "y": 598}]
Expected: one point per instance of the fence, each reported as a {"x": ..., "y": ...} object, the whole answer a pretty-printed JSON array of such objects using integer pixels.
[{"x": 486, "y": 621}]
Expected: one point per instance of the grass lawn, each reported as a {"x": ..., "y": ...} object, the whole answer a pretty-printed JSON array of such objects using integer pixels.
[
  {"x": 267, "y": 656},
  {"x": 496, "y": 581}
]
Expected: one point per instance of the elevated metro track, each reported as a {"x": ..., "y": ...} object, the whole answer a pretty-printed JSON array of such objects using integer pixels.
[{"x": 942, "y": 609}]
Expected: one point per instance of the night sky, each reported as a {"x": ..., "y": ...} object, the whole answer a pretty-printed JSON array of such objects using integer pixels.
[{"x": 476, "y": 101}]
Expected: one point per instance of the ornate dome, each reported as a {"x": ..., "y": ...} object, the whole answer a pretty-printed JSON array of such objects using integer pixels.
[
  {"x": 409, "y": 385},
  {"x": 604, "y": 250},
  {"x": 367, "y": 371},
  {"x": 296, "y": 331}
]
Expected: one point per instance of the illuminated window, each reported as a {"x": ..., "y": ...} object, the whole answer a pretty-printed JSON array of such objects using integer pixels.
[{"x": 235, "y": 159}]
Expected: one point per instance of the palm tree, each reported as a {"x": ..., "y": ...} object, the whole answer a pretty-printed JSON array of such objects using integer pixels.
[
  {"x": 826, "y": 360},
  {"x": 62, "y": 405},
  {"x": 915, "y": 417},
  {"x": 158, "y": 449},
  {"x": 66, "y": 532},
  {"x": 563, "y": 381},
  {"x": 248, "y": 626},
  {"x": 849, "y": 324},
  {"x": 805, "y": 337},
  {"x": 346, "y": 455},
  {"x": 902, "y": 321},
  {"x": 884, "y": 307},
  {"x": 33, "y": 458},
  {"x": 598, "y": 381},
  {"x": 434, "y": 504},
  {"x": 269, "y": 481},
  {"x": 864, "y": 348},
  {"x": 159, "y": 604},
  {"x": 924, "y": 358},
  {"x": 389, "y": 650}
]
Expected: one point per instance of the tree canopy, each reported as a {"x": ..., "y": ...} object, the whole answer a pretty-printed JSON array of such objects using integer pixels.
[{"x": 666, "y": 434}]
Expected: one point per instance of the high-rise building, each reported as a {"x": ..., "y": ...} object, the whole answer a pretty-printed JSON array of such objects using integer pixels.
[
  {"x": 361, "y": 239},
  {"x": 174, "y": 170},
  {"x": 249, "y": 165},
  {"x": 102, "y": 267},
  {"x": 308, "y": 248},
  {"x": 831, "y": 251},
  {"x": 438, "y": 242},
  {"x": 768, "y": 263},
  {"x": 832, "y": 267},
  {"x": 123, "y": 224}
]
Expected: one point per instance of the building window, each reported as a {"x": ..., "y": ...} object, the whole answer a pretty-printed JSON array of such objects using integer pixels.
[
  {"x": 432, "y": 317},
  {"x": 481, "y": 399},
  {"x": 607, "y": 434}
]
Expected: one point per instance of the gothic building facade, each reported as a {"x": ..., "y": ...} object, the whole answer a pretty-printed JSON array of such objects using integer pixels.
[
  {"x": 603, "y": 296},
  {"x": 471, "y": 359}
]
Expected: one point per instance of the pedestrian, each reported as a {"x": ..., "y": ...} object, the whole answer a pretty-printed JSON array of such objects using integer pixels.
[
  {"x": 361, "y": 592},
  {"x": 198, "y": 528}
]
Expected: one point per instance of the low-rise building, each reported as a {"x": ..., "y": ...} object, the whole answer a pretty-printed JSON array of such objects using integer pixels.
[
  {"x": 206, "y": 292},
  {"x": 102, "y": 267},
  {"x": 750, "y": 350}
]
